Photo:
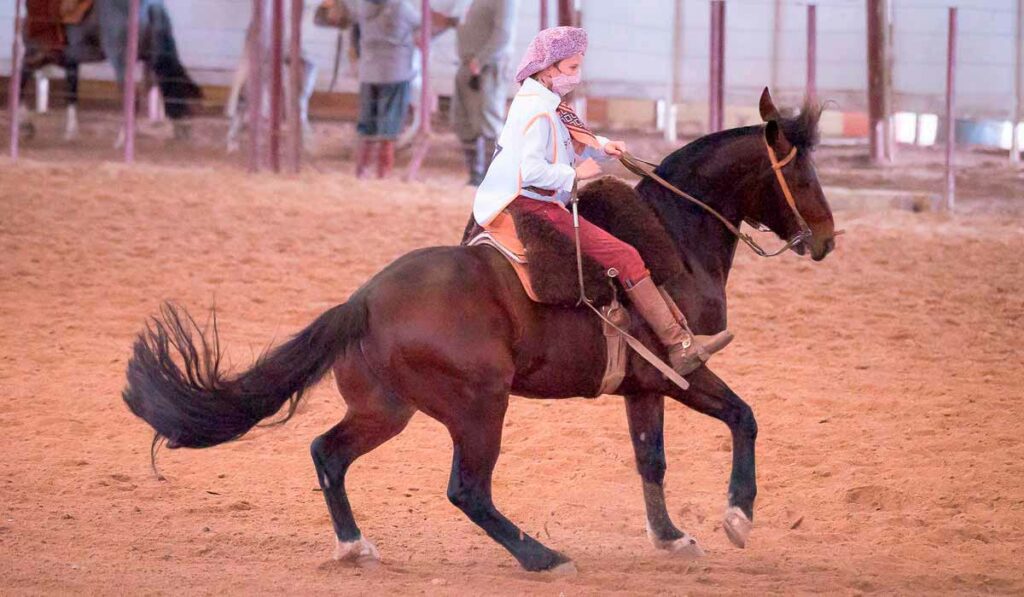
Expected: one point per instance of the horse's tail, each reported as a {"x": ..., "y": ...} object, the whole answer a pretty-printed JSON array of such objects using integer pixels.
[
  {"x": 176, "y": 85},
  {"x": 175, "y": 381}
]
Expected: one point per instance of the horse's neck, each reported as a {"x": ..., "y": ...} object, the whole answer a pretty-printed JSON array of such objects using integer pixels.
[
  {"x": 706, "y": 246},
  {"x": 707, "y": 249}
]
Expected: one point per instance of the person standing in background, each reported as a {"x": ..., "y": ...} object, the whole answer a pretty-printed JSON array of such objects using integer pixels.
[
  {"x": 387, "y": 40},
  {"x": 484, "y": 40}
]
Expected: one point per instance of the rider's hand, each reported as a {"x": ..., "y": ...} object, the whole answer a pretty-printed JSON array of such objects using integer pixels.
[
  {"x": 588, "y": 168},
  {"x": 615, "y": 148},
  {"x": 474, "y": 67}
]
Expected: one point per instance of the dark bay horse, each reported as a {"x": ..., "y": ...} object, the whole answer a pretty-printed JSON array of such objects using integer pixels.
[
  {"x": 450, "y": 332},
  {"x": 102, "y": 35}
]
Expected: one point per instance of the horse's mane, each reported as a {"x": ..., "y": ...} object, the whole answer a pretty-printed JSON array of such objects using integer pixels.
[{"x": 799, "y": 127}]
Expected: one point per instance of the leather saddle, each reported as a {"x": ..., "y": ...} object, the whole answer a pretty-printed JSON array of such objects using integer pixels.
[{"x": 501, "y": 236}]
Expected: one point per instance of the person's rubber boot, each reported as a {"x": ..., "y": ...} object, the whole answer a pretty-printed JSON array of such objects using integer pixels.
[
  {"x": 706, "y": 345},
  {"x": 474, "y": 152},
  {"x": 364, "y": 155},
  {"x": 685, "y": 352},
  {"x": 490, "y": 145},
  {"x": 385, "y": 159}
]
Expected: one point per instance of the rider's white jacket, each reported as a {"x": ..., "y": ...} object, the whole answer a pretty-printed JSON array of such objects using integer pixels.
[{"x": 534, "y": 150}]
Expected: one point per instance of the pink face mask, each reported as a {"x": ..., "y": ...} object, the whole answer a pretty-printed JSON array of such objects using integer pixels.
[{"x": 564, "y": 84}]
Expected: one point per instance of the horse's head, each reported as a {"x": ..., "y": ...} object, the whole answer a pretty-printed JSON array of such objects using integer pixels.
[{"x": 790, "y": 141}]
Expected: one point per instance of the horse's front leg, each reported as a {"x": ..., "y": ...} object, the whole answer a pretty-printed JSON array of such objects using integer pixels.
[
  {"x": 709, "y": 395},
  {"x": 646, "y": 416}
]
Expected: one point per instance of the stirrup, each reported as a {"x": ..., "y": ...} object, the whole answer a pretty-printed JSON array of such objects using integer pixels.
[
  {"x": 709, "y": 345},
  {"x": 687, "y": 356}
]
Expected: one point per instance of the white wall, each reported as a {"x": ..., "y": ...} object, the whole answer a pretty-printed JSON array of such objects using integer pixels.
[
  {"x": 631, "y": 51},
  {"x": 631, "y": 41}
]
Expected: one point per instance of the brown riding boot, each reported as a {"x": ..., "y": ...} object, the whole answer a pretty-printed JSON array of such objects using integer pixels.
[
  {"x": 686, "y": 352},
  {"x": 364, "y": 155},
  {"x": 706, "y": 345},
  {"x": 385, "y": 159}
]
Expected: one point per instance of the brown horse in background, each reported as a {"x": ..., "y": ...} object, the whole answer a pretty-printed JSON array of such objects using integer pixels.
[{"x": 450, "y": 332}]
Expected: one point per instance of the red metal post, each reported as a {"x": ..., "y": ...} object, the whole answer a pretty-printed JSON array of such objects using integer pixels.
[
  {"x": 256, "y": 86},
  {"x": 14, "y": 93},
  {"x": 296, "y": 75},
  {"x": 276, "y": 83},
  {"x": 951, "y": 111},
  {"x": 878, "y": 66},
  {"x": 1018, "y": 106},
  {"x": 567, "y": 12},
  {"x": 131, "y": 59},
  {"x": 543, "y": 14},
  {"x": 423, "y": 144},
  {"x": 812, "y": 52},
  {"x": 716, "y": 79}
]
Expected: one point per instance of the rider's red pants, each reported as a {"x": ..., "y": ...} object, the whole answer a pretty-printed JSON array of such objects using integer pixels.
[{"x": 600, "y": 246}]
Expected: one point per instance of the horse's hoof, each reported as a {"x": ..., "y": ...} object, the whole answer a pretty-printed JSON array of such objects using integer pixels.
[
  {"x": 685, "y": 547},
  {"x": 737, "y": 526},
  {"x": 564, "y": 569},
  {"x": 360, "y": 552}
]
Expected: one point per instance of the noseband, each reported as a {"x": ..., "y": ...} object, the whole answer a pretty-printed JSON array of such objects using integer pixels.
[{"x": 646, "y": 169}]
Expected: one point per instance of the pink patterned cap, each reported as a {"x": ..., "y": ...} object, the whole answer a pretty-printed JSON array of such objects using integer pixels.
[{"x": 550, "y": 46}]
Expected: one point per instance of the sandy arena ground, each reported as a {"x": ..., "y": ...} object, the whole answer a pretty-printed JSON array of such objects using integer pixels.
[{"x": 887, "y": 382}]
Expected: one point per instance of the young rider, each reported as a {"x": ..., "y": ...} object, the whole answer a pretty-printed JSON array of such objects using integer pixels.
[{"x": 543, "y": 150}]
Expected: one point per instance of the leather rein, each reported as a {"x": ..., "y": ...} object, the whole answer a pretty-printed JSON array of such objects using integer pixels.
[{"x": 645, "y": 169}]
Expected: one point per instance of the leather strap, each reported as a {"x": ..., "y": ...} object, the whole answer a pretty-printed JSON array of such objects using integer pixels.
[
  {"x": 645, "y": 169},
  {"x": 635, "y": 344}
]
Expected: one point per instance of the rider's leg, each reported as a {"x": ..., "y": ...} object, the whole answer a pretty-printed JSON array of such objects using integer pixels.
[
  {"x": 367, "y": 128},
  {"x": 686, "y": 352}
]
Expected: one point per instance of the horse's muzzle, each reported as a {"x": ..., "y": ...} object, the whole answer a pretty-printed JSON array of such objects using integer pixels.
[{"x": 820, "y": 250}]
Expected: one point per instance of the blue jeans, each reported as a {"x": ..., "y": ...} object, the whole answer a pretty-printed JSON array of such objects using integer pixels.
[{"x": 382, "y": 109}]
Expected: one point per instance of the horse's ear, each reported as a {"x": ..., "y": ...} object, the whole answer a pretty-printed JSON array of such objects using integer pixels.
[
  {"x": 775, "y": 137},
  {"x": 768, "y": 110}
]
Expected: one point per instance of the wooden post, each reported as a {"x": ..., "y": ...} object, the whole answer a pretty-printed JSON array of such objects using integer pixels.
[
  {"x": 296, "y": 77},
  {"x": 1018, "y": 109},
  {"x": 14, "y": 83},
  {"x": 419, "y": 152},
  {"x": 671, "y": 118},
  {"x": 951, "y": 111},
  {"x": 276, "y": 83},
  {"x": 773, "y": 77},
  {"x": 878, "y": 79},
  {"x": 567, "y": 13},
  {"x": 812, "y": 52},
  {"x": 131, "y": 59},
  {"x": 255, "y": 92},
  {"x": 716, "y": 80}
]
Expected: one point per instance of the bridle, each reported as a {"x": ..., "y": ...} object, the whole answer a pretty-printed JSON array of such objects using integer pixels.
[{"x": 646, "y": 169}]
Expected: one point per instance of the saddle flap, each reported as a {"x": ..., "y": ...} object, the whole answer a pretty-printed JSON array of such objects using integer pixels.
[
  {"x": 501, "y": 235},
  {"x": 503, "y": 230}
]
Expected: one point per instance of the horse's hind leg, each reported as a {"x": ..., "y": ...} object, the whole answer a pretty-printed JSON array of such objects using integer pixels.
[
  {"x": 476, "y": 437},
  {"x": 646, "y": 416},
  {"x": 374, "y": 416},
  {"x": 709, "y": 395}
]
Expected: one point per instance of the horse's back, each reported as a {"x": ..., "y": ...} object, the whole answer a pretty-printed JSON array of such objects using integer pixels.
[{"x": 463, "y": 310}]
